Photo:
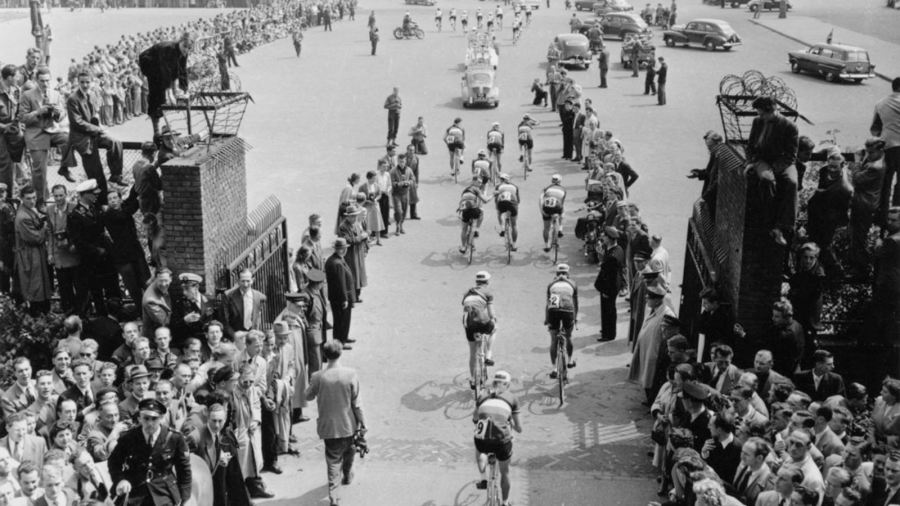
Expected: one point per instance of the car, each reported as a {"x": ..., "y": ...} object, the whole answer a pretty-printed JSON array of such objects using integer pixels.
[
  {"x": 534, "y": 4},
  {"x": 574, "y": 49},
  {"x": 767, "y": 5},
  {"x": 421, "y": 2},
  {"x": 708, "y": 33},
  {"x": 606, "y": 6},
  {"x": 584, "y": 5},
  {"x": 835, "y": 62},
  {"x": 479, "y": 88},
  {"x": 622, "y": 24}
]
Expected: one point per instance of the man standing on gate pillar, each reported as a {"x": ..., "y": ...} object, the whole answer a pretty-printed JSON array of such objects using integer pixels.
[{"x": 163, "y": 64}]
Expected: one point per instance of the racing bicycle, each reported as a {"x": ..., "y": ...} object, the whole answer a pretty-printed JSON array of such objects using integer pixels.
[
  {"x": 455, "y": 162},
  {"x": 453, "y": 24},
  {"x": 554, "y": 236},
  {"x": 481, "y": 373},
  {"x": 507, "y": 234},
  {"x": 562, "y": 363},
  {"x": 527, "y": 20},
  {"x": 493, "y": 482},
  {"x": 525, "y": 158},
  {"x": 494, "y": 158},
  {"x": 470, "y": 241},
  {"x": 438, "y": 22}
]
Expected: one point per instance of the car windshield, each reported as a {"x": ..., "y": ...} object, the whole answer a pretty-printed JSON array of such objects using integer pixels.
[
  {"x": 479, "y": 79},
  {"x": 860, "y": 56}
]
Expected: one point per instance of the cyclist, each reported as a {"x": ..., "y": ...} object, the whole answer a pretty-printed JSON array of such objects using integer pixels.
[
  {"x": 552, "y": 200},
  {"x": 470, "y": 210},
  {"x": 452, "y": 17},
  {"x": 516, "y": 9},
  {"x": 527, "y": 15},
  {"x": 495, "y": 142},
  {"x": 499, "y": 17},
  {"x": 438, "y": 18},
  {"x": 561, "y": 311},
  {"x": 481, "y": 168},
  {"x": 508, "y": 201},
  {"x": 495, "y": 413},
  {"x": 516, "y": 25},
  {"x": 478, "y": 318},
  {"x": 478, "y": 17},
  {"x": 465, "y": 21},
  {"x": 525, "y": 137},
  {"x": 455, "y": 139},
  {"x": 490, "y": 21}
]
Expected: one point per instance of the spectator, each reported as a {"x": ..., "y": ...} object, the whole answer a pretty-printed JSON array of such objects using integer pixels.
[
  {"x": 242, "y": 307},
  {"x": 867, "y": 176},
  {"x": 62, "y": 254},
  {"x": 156, "y": 304},
  {"x": 886, "y": 124},
  {"x": 31, "y": 253},
  {"x": 125, "y": 251},
  {"x": 820, "y": 383},
  {"x": 725, "y": 376},
  {"x": 827, "y": 210},
  {"x": 826, "y": 440},
  {"x": 22, "y": 393},
  {"x": 85, "y": 228},
  {"x": 20, "y": 445},
  {"x": 886, "y": 289},
  {"x": 217, "y": 445},
  {"x": 722, "y": 452}
]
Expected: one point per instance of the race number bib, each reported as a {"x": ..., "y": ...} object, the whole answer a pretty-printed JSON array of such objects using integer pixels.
[
  {"x": 494, "y": 138},
  {"x": 451, "y": 139},
  {"x": 554, "y": 301},
  {"x": 481, "y": 429},
  {"x": 505, "y": 196},
  {"x": 551, "y": 202},
  {"x": 523, "y": 136}
]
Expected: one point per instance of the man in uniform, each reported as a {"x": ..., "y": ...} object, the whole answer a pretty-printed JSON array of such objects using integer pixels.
[
  {"x": 151, "y": 464},
  {"x": 93, "y": 245},
  {"x": 316, "y": 319},
  {"x": 192, "y": 311}
]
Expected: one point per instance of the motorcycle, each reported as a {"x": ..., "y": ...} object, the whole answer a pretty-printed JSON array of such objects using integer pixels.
[
  {"x": 588, "y": 229},
  {"x": 413, "y": 31}
]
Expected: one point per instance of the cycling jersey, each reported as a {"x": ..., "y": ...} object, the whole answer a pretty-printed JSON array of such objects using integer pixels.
[
  {"x": 470, "y": 198},
  {"x": 507, "y": 192},
  {"x": 481, "y": 167},
  {"x": 562, "y": 295},
  {"x": 493, "y": 413},
  {"x": 455, "y": 135},
  {"x": 552, "y": 200},
  {"x": 524, "y": 131},
  {"x": 495, "y": 137}
]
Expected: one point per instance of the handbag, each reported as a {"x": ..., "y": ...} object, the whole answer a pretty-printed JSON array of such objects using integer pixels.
[{"x": 658, "y": 433}]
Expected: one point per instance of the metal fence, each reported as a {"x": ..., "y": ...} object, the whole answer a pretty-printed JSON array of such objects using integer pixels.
[{"x": 263, "y": 250}]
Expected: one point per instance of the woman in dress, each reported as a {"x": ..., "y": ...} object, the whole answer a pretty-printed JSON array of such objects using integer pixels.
[
  {"x": 372, "y": 193},
  {"x": 348, "y": 196}
]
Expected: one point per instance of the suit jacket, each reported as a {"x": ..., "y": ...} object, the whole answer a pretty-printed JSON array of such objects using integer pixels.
[
  {"x": 227, "y": 481},
  {"x": 759, "y": 482},
  {"x": 167, "y": 465},
  {"x": 725, "y": 461},
  {"x": 108, "y": 334},
  {"x": 60, "y": 385},
  {"x": 829, "y": 443},
  {"x": 830, "y": 384},
  {"x": 780, "y": 149},
  {"x": 181, "y": 330},
  {"x": 608, "y": 281},
  {"x": 732, "y": 374},
  {"x": 71, "y": 497},
  {"x": 16, "y": 399},
  {"x": 880, "y": 493},
  {"x": 81, "y": 113},
  {"x": 771, "y": 380},
  {"x": 80, "y": 398},
  {"x": 30, "y": 103},
  {"x": 233, "y": 308},
  {"x": 157, "y": 310},
  {"x": 34, "y": 449},
  {"x": 341, "y": 286}
]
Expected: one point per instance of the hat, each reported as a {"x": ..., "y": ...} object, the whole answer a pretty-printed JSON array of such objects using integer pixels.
[
  {"x": 136, "y": 371},
  {"x": 167, "y": 131},
  {"x": 224, "y": 374},
  {"x": 611, "y": 232},
  {"x": 556, "y": 178},
  {"x": 154, "y": 405},
  {"x": 155, "y": 364},
  {"x": 562, "y": 268},
  {"x": 298, "y": 296},
  {"x": 502, "y": 376},
  {"x": 504, "y": 177},
  {"x": 482, "y": 276},
  {"x": 694, "y": 391},
  {"x": 281, "y": 328},
  {"x": 352, "y": 210},
  {"x": 340, "y": 243},
  {"x": 482, "y": 152},
  {"x": 88, "y": 186},
  {"x": 190, "y": 277},
  {"x": 671, "y": 321},
  {"x": 641, "y": 255},
  {"x": 3, "y": 186},
  {"x": 657, "y": 287},
  {"x": 316, "y": 275}
]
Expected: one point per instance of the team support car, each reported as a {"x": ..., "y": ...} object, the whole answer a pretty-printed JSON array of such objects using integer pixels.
[
  {"x": 535, "y": 4},
  {"x": 767, "y": 5},
  {"x": 479, "y": 87},
  {"x": 606, "y": 6},
  {"x": 573, "y": 49},
  {"x": 421, "y": 2},
  {"x": 835, "y": 62},
  {"x": 708, "y": 33},
  {"x": 623, "y": 24}
]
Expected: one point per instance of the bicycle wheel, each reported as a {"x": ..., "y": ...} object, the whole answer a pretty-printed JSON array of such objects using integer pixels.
[
  {"x": 479, "y": 368},
  {"x": 561, "y": 366},
  {"x": 471, "y": 242},
  {"x": 509, "y": 244},
  {"x": 493, "y": 482}
]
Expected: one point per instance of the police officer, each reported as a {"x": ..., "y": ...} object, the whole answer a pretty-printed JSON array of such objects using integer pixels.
[
  {"x": 151, "y": 464},
  {"x": 91, "y": 242}
]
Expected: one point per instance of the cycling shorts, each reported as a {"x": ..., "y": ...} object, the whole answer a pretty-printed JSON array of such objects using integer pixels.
[
  {"x": 499, "y": 16},
  {"x": 506, "y": 206},
  {"x": 453, "y": 18},
  {"x": 456, "y": 145},
  {"x": 503, "y": 451},
  {"x": 487, "y": 329},
  {"x": 471, "y": 214},
  {"x": 566, "y": 318},
  {"x": 498, "y": 147},
  {"x": 527, "y": 142},
  {"x": 550, "y": 211}
]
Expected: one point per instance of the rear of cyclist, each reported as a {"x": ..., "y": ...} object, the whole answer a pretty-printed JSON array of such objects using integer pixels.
[
  {"x": 525, "y": 136},
  {"x": 495, "y": 142},
  {"x": 453, "y": 18},
  {"x": 499, "y": 17},
  {"x": 527, "y": 15},
  {"x": 455, "y": 138},
  {"x": 470, "y": 210},
  {"x": 552, "y": 200},
  {"x": 438, "y": 18},
  {"x": 482, "y": 167},
  {"x": 508, "y": 202},
  {"x": 478, "y": 317},
  {"x": 562, "y": 308},
  {"x": 496, "y": 414}
]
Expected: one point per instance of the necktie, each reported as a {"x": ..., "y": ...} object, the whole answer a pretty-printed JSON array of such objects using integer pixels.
[
  {"x": 29, "y": 396},
  {"x": 743, "y": 481},
  {"x": 715, "y": 381},
  {"x": 17, "y": 451},
  {"x": 150, "y": 440}
]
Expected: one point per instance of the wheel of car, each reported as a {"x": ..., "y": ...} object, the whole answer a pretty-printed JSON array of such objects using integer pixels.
[
  {"x": 795, "y": 67},
  {"x": 710, "y": 45},
  {"x": 670, "y": 42},
  {"x": 587, "y": 66},
  {"x": 420, "y": 34},
  {"x": 727, "y": 48},
  {"x": 465, "y": 104},
  {"x": 398, "y": 33},
  {"x": 830, "y": 77},
  {"x": 753, "y": 8}
]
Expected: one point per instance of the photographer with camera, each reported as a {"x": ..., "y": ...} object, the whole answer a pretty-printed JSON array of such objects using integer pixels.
[{"x": 341, "y": 417}]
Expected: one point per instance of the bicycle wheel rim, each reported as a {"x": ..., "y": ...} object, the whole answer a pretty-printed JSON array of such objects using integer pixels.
[{"x": 561, "y": 373}]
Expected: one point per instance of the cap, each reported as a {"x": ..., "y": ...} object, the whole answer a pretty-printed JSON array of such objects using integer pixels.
[
  {"x": 340, "y": 243},
  {"x": 88, "y": 186},
  {"x": 224, "y": 373},
  {"x": 297, "y": 297},
  {"x": 155, "y": 364},
  {"x": 527, "y": 116},
  {"x": 482, "y": 276},
  {"x": 167, "y": 131},
  {"x": 611, "y": 232},
  {"x": 641, "y": 255},
  {"x": 353, "y": 210},
  {"x": 315, "y": 275},
  {"x": 281, "y": 328},
  {"x": 502, "y": 376},
  {"x": 136, "y": 371},
  {"x": 562, "y": 268},
  {"x": 504, "y": 177},
  {"x": 556, "y": 178},
  {"x": 154, "y": 405},
  {"x": 694, "y": 391},
  {"x": 190, "y": 277},
  {"x": 482, "y": 152},
  {"x": 495, "y": 124}
]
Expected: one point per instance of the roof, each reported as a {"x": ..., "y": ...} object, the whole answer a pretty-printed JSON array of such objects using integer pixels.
[
  {"x": 630, "y": 14},
  {"x": 706, "y": 20},
  {"x": 840, "y": 46},
  {"x": 571, "y": 36}
]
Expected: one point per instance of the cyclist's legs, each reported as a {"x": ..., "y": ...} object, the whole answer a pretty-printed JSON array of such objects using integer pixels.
[
  {"x": 514, "y": 230},
  {"x": 504, "y": 479},
  {"x": 551, "y": 329},
  {"x": 464, "y": 235},
  {"x": 559, "y": 223},
  {"x": 547, "y": 230},
  {"x": 569, "y": 326},
  {"x": 489, "y": 345},
  {"x": 480, "y": 219}
]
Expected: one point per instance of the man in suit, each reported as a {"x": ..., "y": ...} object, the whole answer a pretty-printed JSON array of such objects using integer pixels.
[
  {"x": 55, "y": 492},
  {"x": 151, "y": 464},
  {"x": 87, "y": 137},
  {"x": 819, "y": 382},
  {"x": 886, "y": 290},
  {"x": 44, "y": 405},
  {"x": 798, "y": 456},
  {"x": 722, "y": 452},
  {"x": 661, "y": 76},
  {"x": 766, "y": 377},
  {"x": 65, "y": 261},
  {"x": 218, "y": 447},
  {"x": 22, "y": 393},
  {"x": 243, "y": 307},
  {"x": 90, "y": 481},
  {"x": 156, "y": 304},
  {"x": 886, "y": 489},
  {"x": 62, "y": 375},
  {"x": 826, "y": 440},
  {"x": 20, "y": 445},
  {"x": 192, "y": 311},
  {"x": 753, "y": 476},
  {"x": 745, "y": 413},
  {"x": 341, "y": 292},
  {"x": 81, "y": 391},
  {"x": 786, "y": 480},
  {"x": 608, "y": 282},
  {"x": 603, "y": 63},
  {"x": 104, "y": 438},
  {"x": 578, "y": 128},
  {"x": 725, "y": 375}
]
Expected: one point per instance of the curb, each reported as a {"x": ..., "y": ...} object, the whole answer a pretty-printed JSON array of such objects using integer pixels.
[{"x": 807, "y": 44}]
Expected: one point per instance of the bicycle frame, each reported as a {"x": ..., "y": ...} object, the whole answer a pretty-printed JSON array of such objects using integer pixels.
[
  {"x": 554, "y": 236},
  {"x": 471, "y": 241},
  {"x": 507, "y": 227},
  {"x": 493, "y": 490},
  {"x": 480, "y": 366},
  {"x": 562, "y": 363}
]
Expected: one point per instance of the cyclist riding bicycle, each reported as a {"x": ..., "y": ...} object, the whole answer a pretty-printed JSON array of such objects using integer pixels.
[
  {"x": 455, "y": 138},
  {"x": 481, "y": 168},
  {"x": 438, "y": 18},
  {"x": 465, "y": 20},
  {"x": 478, "y": 318},
  {"x": 528, "y": 14},
  {"x": 499, "y": 15},
  {"x": 516, "y": 25},
  {"x": 470, "y": 210},
  {"x": 478, "y": 17},
  {"x": 495, "y": 413},
  {"x": 525, "y": 137},
  {"x": 490, "y": 21},
  {"x": 496, "y": 141},
  {"x": 552, "y": 200},
  {"x": 561, "y": 311},
  {"x": 452, "y": 17},
  {"x": 508, "y": 201}
]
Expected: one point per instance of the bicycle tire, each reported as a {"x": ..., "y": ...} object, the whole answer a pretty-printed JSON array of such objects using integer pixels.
[
  {"x": 483, "y": 362},
  {"x": 479, "y": 369},
  {"x": 493, "y": 482},
  {"x": 454, "y": 159},
  {"x": 508, "y": 233},
  {"x": 561, "y": 366},
  {"x": 471, "y": 242}
]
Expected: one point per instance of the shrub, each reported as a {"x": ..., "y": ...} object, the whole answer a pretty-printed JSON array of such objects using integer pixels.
[{"x": 22, "y": 335}]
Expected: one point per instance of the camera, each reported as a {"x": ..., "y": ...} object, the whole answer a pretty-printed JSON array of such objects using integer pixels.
[{"x": 360, "y": 444}]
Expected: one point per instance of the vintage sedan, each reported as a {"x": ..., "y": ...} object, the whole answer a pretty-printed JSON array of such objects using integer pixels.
[
  {"x": 708, "y": 33},
  {"x": 835, "y": 62},
  {"x": 573, "y": 49},
  {"x": 584, "y": 5},
  {"x": 606, "y": 6},
  {"x": 478, "y": 87},
  {"x": 767, "y": 5},
  {"x": 623, "y": 24}
]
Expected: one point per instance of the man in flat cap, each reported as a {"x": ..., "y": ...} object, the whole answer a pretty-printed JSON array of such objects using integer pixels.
[
  {"x": 151, "y": 464},
  {"x": 651, "y": 337},
  {"x": 93, "y": 245},
  {"x": 609, "y": 282},
  {"x": 638, "y": 292},
  {"x": 192, "y": 311}
]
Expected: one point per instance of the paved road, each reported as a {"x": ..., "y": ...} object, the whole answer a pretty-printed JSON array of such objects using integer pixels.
[{"x": 318, "y": 118}]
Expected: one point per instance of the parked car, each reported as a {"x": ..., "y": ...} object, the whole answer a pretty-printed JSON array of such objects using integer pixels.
[
  {"x": 767, "y": 5},
  {"x": 584, "y": 5},
  {"x": 421, "y": 2},
  {"x": 478, "y": 87},
  {"x": 835, "y": 62},
  {"x": 622, "y": 24},
  {"x": 535, "y": 4},
  {"x": 573, "y": 49},
  {"x": 708, "y": 33},
  {"x": 606, "y": 6}
]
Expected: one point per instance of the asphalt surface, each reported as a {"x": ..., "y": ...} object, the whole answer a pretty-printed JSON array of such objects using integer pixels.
[{"x": 318, "y": 118}]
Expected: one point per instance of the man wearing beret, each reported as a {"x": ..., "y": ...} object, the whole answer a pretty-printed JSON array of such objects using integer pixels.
[
  {"x": 151, "y": 464},
  {"x": 608, "y": 282}
]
